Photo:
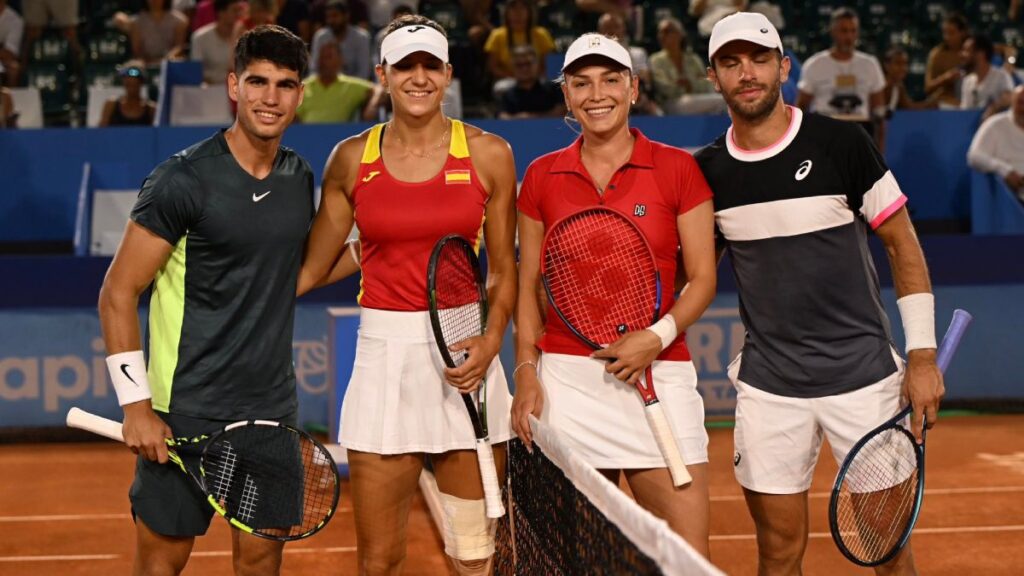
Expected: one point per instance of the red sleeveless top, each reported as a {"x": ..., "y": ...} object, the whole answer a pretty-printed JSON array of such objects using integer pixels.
[{"x": 399, "y": 222}]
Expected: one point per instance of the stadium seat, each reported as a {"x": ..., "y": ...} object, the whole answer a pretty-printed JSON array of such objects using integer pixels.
[
  {"x": 54, "y": 87},
  {"x": 97, "y": 98},
  {"x": 109, "y": 46},
  {"x": 49, "y": 49},
  {"x": 200, "y": 106}
]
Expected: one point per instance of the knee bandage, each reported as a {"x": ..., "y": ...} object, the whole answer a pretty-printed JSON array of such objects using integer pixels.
[{"x": 468, "y": 533}]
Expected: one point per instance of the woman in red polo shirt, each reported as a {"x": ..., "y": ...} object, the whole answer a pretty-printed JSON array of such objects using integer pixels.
[
  {"x": 407, "y": 183},
  {"x": 590, "y": 400}
]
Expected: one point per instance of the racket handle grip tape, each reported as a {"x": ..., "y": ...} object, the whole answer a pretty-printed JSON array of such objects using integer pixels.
[
  {"x": 667, "y": 444},
  {"x": 489, "y": 476},
  {"x": 957, "y": 327},
  {"x": 78, "y": 418}
]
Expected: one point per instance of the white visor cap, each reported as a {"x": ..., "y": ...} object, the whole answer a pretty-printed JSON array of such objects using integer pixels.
[
  {"x": 592, "y": 44},
  {"x": 416, "y": 38},
  {"x": 749, "y": 26}
]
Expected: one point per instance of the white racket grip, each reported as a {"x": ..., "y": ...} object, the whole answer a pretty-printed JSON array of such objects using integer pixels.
[
  {"x": 667, "y": 444},
  {"x": 489, "y": 475},
  {"x": 78, "y": 418}
]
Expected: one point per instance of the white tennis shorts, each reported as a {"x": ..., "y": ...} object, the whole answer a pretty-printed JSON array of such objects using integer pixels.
[
  {"x": 778, "y": 438},
  {"x": 603, "y": 418},
  {"x": 397, "y": 400}
]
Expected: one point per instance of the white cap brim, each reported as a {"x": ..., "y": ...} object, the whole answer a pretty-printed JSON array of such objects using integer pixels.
[{"x": 411, "y": 39}]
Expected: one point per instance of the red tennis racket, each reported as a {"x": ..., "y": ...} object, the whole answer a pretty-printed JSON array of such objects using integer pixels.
[{"x": 602, "y": 280}]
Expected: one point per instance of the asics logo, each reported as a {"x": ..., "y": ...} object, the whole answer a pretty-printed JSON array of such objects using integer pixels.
[
  {"x": 256, "y": 198},
  {"x": 370, "y": 176},
  {"x": 124, "y": 370},
  {"x": 804, "y": 170}
]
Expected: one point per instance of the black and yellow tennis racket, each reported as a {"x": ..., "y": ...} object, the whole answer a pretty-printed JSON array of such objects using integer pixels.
[{"x": 266, "y": 478}]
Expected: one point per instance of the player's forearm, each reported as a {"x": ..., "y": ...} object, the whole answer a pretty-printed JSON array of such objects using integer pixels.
[
  {"x": 119, "y": 319},
  {"x": 694, "y": 299},
  {"x": 909, "y": 270}
]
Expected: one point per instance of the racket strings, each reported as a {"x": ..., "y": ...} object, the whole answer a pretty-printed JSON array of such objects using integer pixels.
[
  {"x": 272, "y": 479},
  {"x": 457, "y": 297},
  {"x": 877, "y": 496},
  {"x": 601, "y": 275}
]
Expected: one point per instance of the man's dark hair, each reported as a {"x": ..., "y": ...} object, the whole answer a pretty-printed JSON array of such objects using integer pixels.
[
  {"x": 959, "y": 21},
  {"x": 413, "y": 20},
  {"x": 893, "y": 52},
  {"x": 339, "y": 5},
  {"x": 222, "y": 5},
  {"x": 274, "y": 44},
  {"x": 984, "y": 44},
  {"x": 842, "y": 13}
]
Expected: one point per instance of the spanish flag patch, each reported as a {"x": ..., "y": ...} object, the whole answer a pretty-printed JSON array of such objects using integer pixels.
[{"x": 456, "y": 177}]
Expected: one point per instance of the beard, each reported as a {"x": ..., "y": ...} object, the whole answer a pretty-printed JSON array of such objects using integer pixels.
[{"x": 758, "y": 109}]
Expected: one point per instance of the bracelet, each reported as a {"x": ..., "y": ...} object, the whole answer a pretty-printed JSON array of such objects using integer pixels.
[
  {"x": 917, "y": 311},
  {"x": 128, "y": 375},
  {"x": 520, "y": 365}
]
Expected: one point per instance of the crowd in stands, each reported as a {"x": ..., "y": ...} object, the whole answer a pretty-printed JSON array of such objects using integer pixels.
[{"x": 861, "y": 59}]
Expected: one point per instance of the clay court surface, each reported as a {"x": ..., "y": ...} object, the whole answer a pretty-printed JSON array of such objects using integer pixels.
[{"x": 64, "y": 511}]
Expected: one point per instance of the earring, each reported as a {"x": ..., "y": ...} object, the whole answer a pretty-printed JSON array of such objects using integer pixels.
[{"x": 632, "y": 101}]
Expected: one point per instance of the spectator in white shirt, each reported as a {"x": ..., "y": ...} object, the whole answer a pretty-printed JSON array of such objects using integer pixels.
[
  {"x": 353, "y": 40},
  {"x": 843, "y": 82},
  {"x": 11, "y": 29},
  {"x": 998, "y": 147},
  {"x": 214, "y": 44},
  {"x": 985, "y": 86}
]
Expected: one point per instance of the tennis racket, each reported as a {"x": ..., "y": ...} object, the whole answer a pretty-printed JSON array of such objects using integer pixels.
[
  {"x": 266, "y": 478},
  {"x": 458, "y": 310},
  {"x": 878, "y": 492},
  {"x": 602, "y": 280}
]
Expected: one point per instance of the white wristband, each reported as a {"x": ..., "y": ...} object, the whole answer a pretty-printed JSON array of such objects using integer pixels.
[
  {"x": 128, "y": 373},
  {"x": 666, "y": 330},
  {"x": 918, "y": 314}
]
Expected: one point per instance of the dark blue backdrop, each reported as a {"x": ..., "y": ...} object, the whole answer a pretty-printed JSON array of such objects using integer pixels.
[{"x": 40, "y": 170}]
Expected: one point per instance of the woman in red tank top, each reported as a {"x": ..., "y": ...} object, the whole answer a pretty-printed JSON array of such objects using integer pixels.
[
  {"x": 406, "y": 184},
  {"x": 590, "y": 399}
]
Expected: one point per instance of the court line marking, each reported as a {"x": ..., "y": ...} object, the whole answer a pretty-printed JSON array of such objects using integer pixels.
[
  {"x": 66, "y": 557},
  {"x": 201, "y": 554},
  {"x": 927, "y": 492},
  {"x": 917, "y": 532}
]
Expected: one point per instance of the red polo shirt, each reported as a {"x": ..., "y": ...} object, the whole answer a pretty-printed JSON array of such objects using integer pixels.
[{"x": 653, "y": 188}]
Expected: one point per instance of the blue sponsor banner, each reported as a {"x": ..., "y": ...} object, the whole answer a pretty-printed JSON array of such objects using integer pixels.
[{"x": 52, "y": 359}]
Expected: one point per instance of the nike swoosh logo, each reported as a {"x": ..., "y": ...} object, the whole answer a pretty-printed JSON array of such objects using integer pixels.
[
  {"x": 371, "y": 176},
  {"x": 124, "y": 370},
  {"x": 256, "y": 198}
]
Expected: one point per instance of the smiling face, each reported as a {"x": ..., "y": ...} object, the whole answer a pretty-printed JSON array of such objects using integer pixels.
[
  {"x": 417, "y": 83},
  {"x": 267, "y": 96},
  {"x": 599, "y": 95},
  {"x": 749, "y": 77}
]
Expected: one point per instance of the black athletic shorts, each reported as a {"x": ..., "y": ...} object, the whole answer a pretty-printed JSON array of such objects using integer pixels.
[{"x": 163, "y": 497}]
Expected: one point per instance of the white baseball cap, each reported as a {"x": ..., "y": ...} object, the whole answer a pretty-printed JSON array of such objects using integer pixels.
[
  {"x": 592, "y": 44},
  {"x": 413, "y": 38},
  {"x": 749, "y": 26}
]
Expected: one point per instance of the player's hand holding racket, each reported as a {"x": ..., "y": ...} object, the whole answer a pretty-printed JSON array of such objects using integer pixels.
[
  {"x": 630, "y": 355},
  {"x": 478, "y": 352},
  {"x": 923, "y": 388},
  {"x": 144, "y": 432},
  {"x": 265, "y": 478},
  {"x": 602, "y": 280}
]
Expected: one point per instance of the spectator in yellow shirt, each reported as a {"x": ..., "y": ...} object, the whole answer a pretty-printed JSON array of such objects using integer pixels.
[
  {"x": 518, "y": 28},
  {"x": 331, "y": 96}
]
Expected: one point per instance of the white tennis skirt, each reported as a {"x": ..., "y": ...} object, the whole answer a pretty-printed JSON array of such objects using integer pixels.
[
  {"x": 603, "y": 418},
  {"x": 397, "y": 400}
]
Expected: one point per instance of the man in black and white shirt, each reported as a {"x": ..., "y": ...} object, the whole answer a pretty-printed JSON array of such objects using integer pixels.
[
  {"x": 795, "y": 196},
  {"x": 843, "y": 82}
]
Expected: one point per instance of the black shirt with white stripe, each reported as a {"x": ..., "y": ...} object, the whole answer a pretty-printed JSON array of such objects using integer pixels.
[{"x": 794, "y": 218}]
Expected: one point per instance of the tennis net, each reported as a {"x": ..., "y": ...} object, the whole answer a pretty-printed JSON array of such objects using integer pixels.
[{"x": 564, "y": 517}]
